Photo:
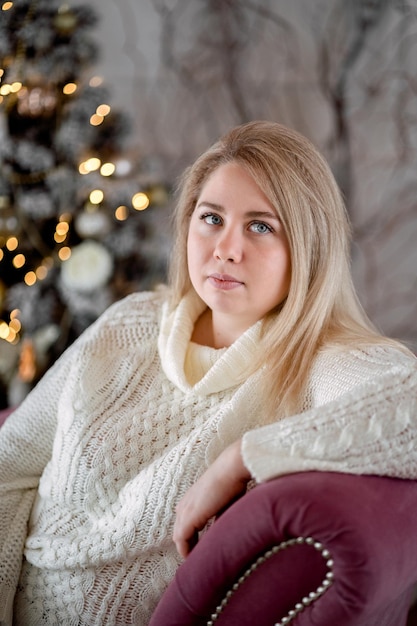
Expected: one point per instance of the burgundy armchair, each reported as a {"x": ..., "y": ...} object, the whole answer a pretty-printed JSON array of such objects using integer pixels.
[{"x": 307, "y": 549}]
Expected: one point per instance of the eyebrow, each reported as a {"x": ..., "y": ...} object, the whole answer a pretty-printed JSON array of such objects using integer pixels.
[{"x": 250, "y": 214}]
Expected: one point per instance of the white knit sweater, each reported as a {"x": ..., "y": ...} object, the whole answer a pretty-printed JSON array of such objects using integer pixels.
[{"x": 98, "y": 455}]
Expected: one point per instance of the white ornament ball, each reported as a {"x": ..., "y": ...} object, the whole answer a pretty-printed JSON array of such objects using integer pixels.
[{"x": 88, "y": 268}]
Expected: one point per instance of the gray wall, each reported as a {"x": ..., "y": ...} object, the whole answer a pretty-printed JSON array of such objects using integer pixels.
[{"x": 343, "y": 73}]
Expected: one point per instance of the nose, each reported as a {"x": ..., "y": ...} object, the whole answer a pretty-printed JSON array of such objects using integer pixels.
[{"x": 229, "y": 245}]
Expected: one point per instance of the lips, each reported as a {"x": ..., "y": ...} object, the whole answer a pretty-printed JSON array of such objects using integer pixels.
[{"x": 224, "y": 281}]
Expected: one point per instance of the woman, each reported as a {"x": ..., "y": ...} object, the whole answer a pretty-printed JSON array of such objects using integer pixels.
[{"x": 257, "y": 361}]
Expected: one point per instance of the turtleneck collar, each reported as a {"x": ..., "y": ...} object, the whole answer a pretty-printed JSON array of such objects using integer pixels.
[{"x": 230, "y": 369}]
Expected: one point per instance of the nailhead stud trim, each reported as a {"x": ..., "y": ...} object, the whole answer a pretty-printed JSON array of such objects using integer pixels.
[{"x": 306, "y": 601}]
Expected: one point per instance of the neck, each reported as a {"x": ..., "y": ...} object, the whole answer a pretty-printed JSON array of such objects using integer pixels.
[{"x": 211, "y": 331}]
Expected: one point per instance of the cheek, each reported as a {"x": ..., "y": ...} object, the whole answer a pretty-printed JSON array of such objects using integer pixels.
[
  {"x": 279, "y": 270},
  {"x": 193, "y": 253},
  {"x": 197, "y": 244}
]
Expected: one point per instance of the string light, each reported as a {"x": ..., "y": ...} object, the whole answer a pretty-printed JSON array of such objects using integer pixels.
[
  {"x": 96, "y": 196},
  {"x": 107, "y": 169},
  {"x": 140, "y": 201},
  {"x": 4, "y": 330},
  {"x": 121, "y": 213},
  {"x": 69, "y": 89},
  {"x": 15, "y": 324},
  {"x": 30, "y": 278},
  {"x": 103, "y": 110},
  {"x": 19, "y": 260},
  {"x": 6, "y": 6},
  {"x": 96, "y": 120},
  {"x": 92, "y": 164},
  {"x": 64, "y": 253},
  {"x": 12, "y": 243},
  {"x": 62, "y": 228}
]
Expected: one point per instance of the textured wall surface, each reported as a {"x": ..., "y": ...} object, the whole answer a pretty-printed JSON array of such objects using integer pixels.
[{"x": 341, "y": 72}]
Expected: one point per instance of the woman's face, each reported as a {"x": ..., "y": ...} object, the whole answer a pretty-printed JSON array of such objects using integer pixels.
[{"x": 238, "y": 254}]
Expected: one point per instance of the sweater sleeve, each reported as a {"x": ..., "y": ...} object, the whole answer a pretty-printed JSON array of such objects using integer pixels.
[
  {"x": 26, "y": 441},
  {"x": 369, "y": 429}
]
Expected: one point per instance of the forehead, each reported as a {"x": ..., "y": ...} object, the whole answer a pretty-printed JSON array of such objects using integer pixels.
[{"x": 232, "y": 182}]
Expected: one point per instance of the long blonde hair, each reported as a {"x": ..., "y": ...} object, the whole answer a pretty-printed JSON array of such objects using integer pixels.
[{"x": 321, "y": 310}]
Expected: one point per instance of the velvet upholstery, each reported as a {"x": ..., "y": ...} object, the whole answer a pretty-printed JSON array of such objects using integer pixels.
[{"x": 367, "y": 524}]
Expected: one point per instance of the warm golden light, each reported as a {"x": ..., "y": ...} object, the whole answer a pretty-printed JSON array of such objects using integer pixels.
[
  {"x": 62, "y": 228},
  {"x": 96, "y": 120},
  {"x": 4, "y": 330},
  {"x": 15, "y": 87},
  {"x": 1, "y": 254},
  {"x": 19, "y": 260},
  {"x": 59, "y": 238},
  {"x": 69, "y": 89},
  {"x": 6, "y": 6},
  {"x": 103, "y": 110},
  {"x": 30, "y": 278},
  {"x": 121, "y": 213},
  {"x": 65, "y": 253},
  {"x": 11, "y": 335},
  {"x": 140, "y": 201},
  {"x": 14, "y": 313},
  {"x": 15, "y": 324},
  {"x": 12, "y": 243},
  {"x": 5, "y": 89},
  {"x": 107, "y": 169},
  {"x": 96, "y": 196},
  {"x": 92, "y": 164}
]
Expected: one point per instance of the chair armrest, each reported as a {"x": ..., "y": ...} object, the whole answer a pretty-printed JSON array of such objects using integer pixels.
[{"x": 364, "y": 542}]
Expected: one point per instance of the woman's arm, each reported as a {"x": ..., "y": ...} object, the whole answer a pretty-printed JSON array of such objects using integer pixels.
[{"x": 371, "y": 429}]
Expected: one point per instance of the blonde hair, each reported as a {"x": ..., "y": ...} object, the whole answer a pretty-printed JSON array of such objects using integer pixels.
[{"x": 321, "y": 310}]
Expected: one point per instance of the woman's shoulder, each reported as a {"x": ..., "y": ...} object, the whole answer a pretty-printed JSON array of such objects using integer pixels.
[
  {"x": 142, "y": 304},
  {"x": 136, "y": 316},
  {"x": 337, "y": 371},
  {"x": 373, "y": 357}
]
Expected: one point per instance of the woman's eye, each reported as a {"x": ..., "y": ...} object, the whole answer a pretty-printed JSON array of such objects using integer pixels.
[
  {"x": 211, "y": 218},
  {"x": 260, "y": 227}
]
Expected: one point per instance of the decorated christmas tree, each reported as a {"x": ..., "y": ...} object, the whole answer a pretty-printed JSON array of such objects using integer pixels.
[{"x": 73, "y": 233}]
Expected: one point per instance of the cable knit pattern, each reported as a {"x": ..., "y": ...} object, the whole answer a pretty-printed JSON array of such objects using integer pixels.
[
  {"x": 98, "y": 455},
  {"x": 370, "y": 429}
]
